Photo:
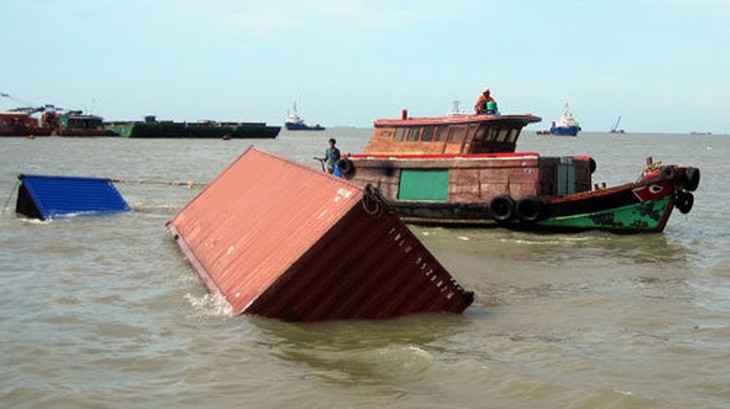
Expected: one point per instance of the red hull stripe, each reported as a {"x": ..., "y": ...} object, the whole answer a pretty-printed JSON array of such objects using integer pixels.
[
  {"x": 510, "y": 155},
  {"x": 466, "y": 119}
]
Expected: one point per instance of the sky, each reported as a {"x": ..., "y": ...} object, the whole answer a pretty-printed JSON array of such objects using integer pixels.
[{"x": 662, "y": 65}]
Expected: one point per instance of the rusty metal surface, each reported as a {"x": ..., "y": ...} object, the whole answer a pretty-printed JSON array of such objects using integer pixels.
[{"x": 281, "y": 240}]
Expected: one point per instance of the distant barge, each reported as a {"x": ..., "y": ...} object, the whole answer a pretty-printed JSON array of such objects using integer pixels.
[{"x": 152, "y": 128}]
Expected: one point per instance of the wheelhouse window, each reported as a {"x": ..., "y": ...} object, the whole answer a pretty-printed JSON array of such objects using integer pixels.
[
  {"x": 502, "y": 135},
  {"x": 413, "y": 134},
  {"x": 428, "y": 132},
  {"x": 386, "y": 133},
  {"x": 481, "y": 133},
  {"x": 441, "y": 132},
  {"x": 457, "y": 134},
  {"x": 472, "y": 131},
  {"x": 514, "y": 133},
  {"x": 400, "y": 134}
]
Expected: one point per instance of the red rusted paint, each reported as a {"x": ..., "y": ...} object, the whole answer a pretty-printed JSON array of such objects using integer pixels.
[{"x": 281, "y": 240}]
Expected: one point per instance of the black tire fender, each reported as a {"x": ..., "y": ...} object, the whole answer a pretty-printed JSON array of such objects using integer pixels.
[
  {"x": 529, "y": 209},
  {"x": 669, "y": 172},
  {"x": 684, "y": 202},
  {"x": 592, "y": 165},
  {"x": 691, "y": 179},
  {"x": 346, "y": 166},
  {"x": 502, "y": 208}
]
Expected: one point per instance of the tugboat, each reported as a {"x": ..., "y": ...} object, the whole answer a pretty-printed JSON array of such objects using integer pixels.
[
  {"x": 295, "y": 123},
  {"x": 566, "y": 125},
  {"x": 464, "y": 171}
]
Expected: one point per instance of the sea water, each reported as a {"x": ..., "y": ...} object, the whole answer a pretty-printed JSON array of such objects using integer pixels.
[{"x": 106, "y": 311}]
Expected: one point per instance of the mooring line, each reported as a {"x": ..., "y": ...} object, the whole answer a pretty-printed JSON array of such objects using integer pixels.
[
  {"x": 10, "y": 196},
  {"x": 190, "y": 184}
]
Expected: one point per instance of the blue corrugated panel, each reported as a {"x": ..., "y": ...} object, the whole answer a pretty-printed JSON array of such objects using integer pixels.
[{"x": 46, "y": 197}]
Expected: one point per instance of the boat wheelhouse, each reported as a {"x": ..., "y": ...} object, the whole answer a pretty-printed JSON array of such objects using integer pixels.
[{"x": 466, "y": 134}]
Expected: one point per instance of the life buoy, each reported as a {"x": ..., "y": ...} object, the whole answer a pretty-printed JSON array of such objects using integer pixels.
[
  {"x": 346, "y": 166},
  {"x": 528, "y": 209},
  {"x": 691, "y": 178},
  {"x": 669, "y": 172},
  {"x": 502, "y": 208},
  {"x": 684, "y": 202}
]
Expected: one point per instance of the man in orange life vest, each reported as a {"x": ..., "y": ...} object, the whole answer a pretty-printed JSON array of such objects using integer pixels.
[{"x": 482, "y": 106}]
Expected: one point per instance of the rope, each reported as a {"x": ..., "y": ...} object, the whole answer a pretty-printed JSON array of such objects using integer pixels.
[
  {"x": 190, "y": 184},
  {"x": 10, "y": 196},
  {"x": 372, "y": 202}
]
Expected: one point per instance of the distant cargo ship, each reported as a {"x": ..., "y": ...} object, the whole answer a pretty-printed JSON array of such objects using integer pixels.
[
  {"x": 152, "y": 128},
  {"x": 295, "y": 123}
]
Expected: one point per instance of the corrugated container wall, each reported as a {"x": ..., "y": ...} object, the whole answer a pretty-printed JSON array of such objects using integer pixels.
[
  {"x": 46, "y": 197},
  {"x": 281, "y": 240}
]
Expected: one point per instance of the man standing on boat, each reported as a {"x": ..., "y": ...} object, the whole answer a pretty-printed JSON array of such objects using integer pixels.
[
  {"x": 331, "y": 156},
  {"x": 485, "y": 103}
]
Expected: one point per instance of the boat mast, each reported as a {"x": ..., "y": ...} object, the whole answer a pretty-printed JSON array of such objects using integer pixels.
[{"x": 615, "y": 127}]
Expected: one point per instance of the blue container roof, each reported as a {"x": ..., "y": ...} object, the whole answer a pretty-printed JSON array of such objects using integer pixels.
[{"x": 56, "y": 196}]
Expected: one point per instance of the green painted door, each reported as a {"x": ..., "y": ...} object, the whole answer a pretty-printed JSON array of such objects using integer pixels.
[
  {"x": 430, "y": 185},
  {"x": 566, "y": 176}
]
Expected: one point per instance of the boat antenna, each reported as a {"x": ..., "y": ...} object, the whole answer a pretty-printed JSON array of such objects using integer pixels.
[{"x": 456, "y": 109}]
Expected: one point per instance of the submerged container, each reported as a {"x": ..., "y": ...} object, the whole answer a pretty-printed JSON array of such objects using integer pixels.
[
  {"x": 46, "y": 197},
  {"x": 282, "y": 240}
]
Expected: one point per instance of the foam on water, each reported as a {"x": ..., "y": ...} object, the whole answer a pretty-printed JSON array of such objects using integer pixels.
[{"x": 210, "y": 305}]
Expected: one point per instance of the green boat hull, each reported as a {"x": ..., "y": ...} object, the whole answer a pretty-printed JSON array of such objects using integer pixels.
[{"x": 645, "y": 216}]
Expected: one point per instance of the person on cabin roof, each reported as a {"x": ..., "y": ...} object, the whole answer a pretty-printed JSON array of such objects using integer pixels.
[
  {"x": 331, "y": 156},
  {"x": 485, "y": 103}
]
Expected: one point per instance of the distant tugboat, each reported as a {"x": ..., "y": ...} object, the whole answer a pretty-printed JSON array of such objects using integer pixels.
[
  {"x": 567, "y": 125},
  {"x": 295, "y": 123}
]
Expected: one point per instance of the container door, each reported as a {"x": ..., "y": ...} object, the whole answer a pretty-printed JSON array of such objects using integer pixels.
[{"x": 428, "y": 185}]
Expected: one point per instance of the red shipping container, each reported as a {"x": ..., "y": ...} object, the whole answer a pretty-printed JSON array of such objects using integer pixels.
[{"x": 282, "y": 240}]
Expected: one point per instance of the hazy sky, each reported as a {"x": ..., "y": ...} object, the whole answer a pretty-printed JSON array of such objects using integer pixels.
[{"x": 662, "y": 65}]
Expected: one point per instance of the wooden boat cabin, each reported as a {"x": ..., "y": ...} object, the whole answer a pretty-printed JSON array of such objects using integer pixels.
[{"x": 459, "y": 134}]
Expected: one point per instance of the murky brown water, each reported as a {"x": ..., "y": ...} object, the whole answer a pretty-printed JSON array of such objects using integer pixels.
[{"x": 106, "y": 311}]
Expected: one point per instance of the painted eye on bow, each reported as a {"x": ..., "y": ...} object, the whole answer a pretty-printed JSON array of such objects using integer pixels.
[{"x": 655, "y": 189}]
